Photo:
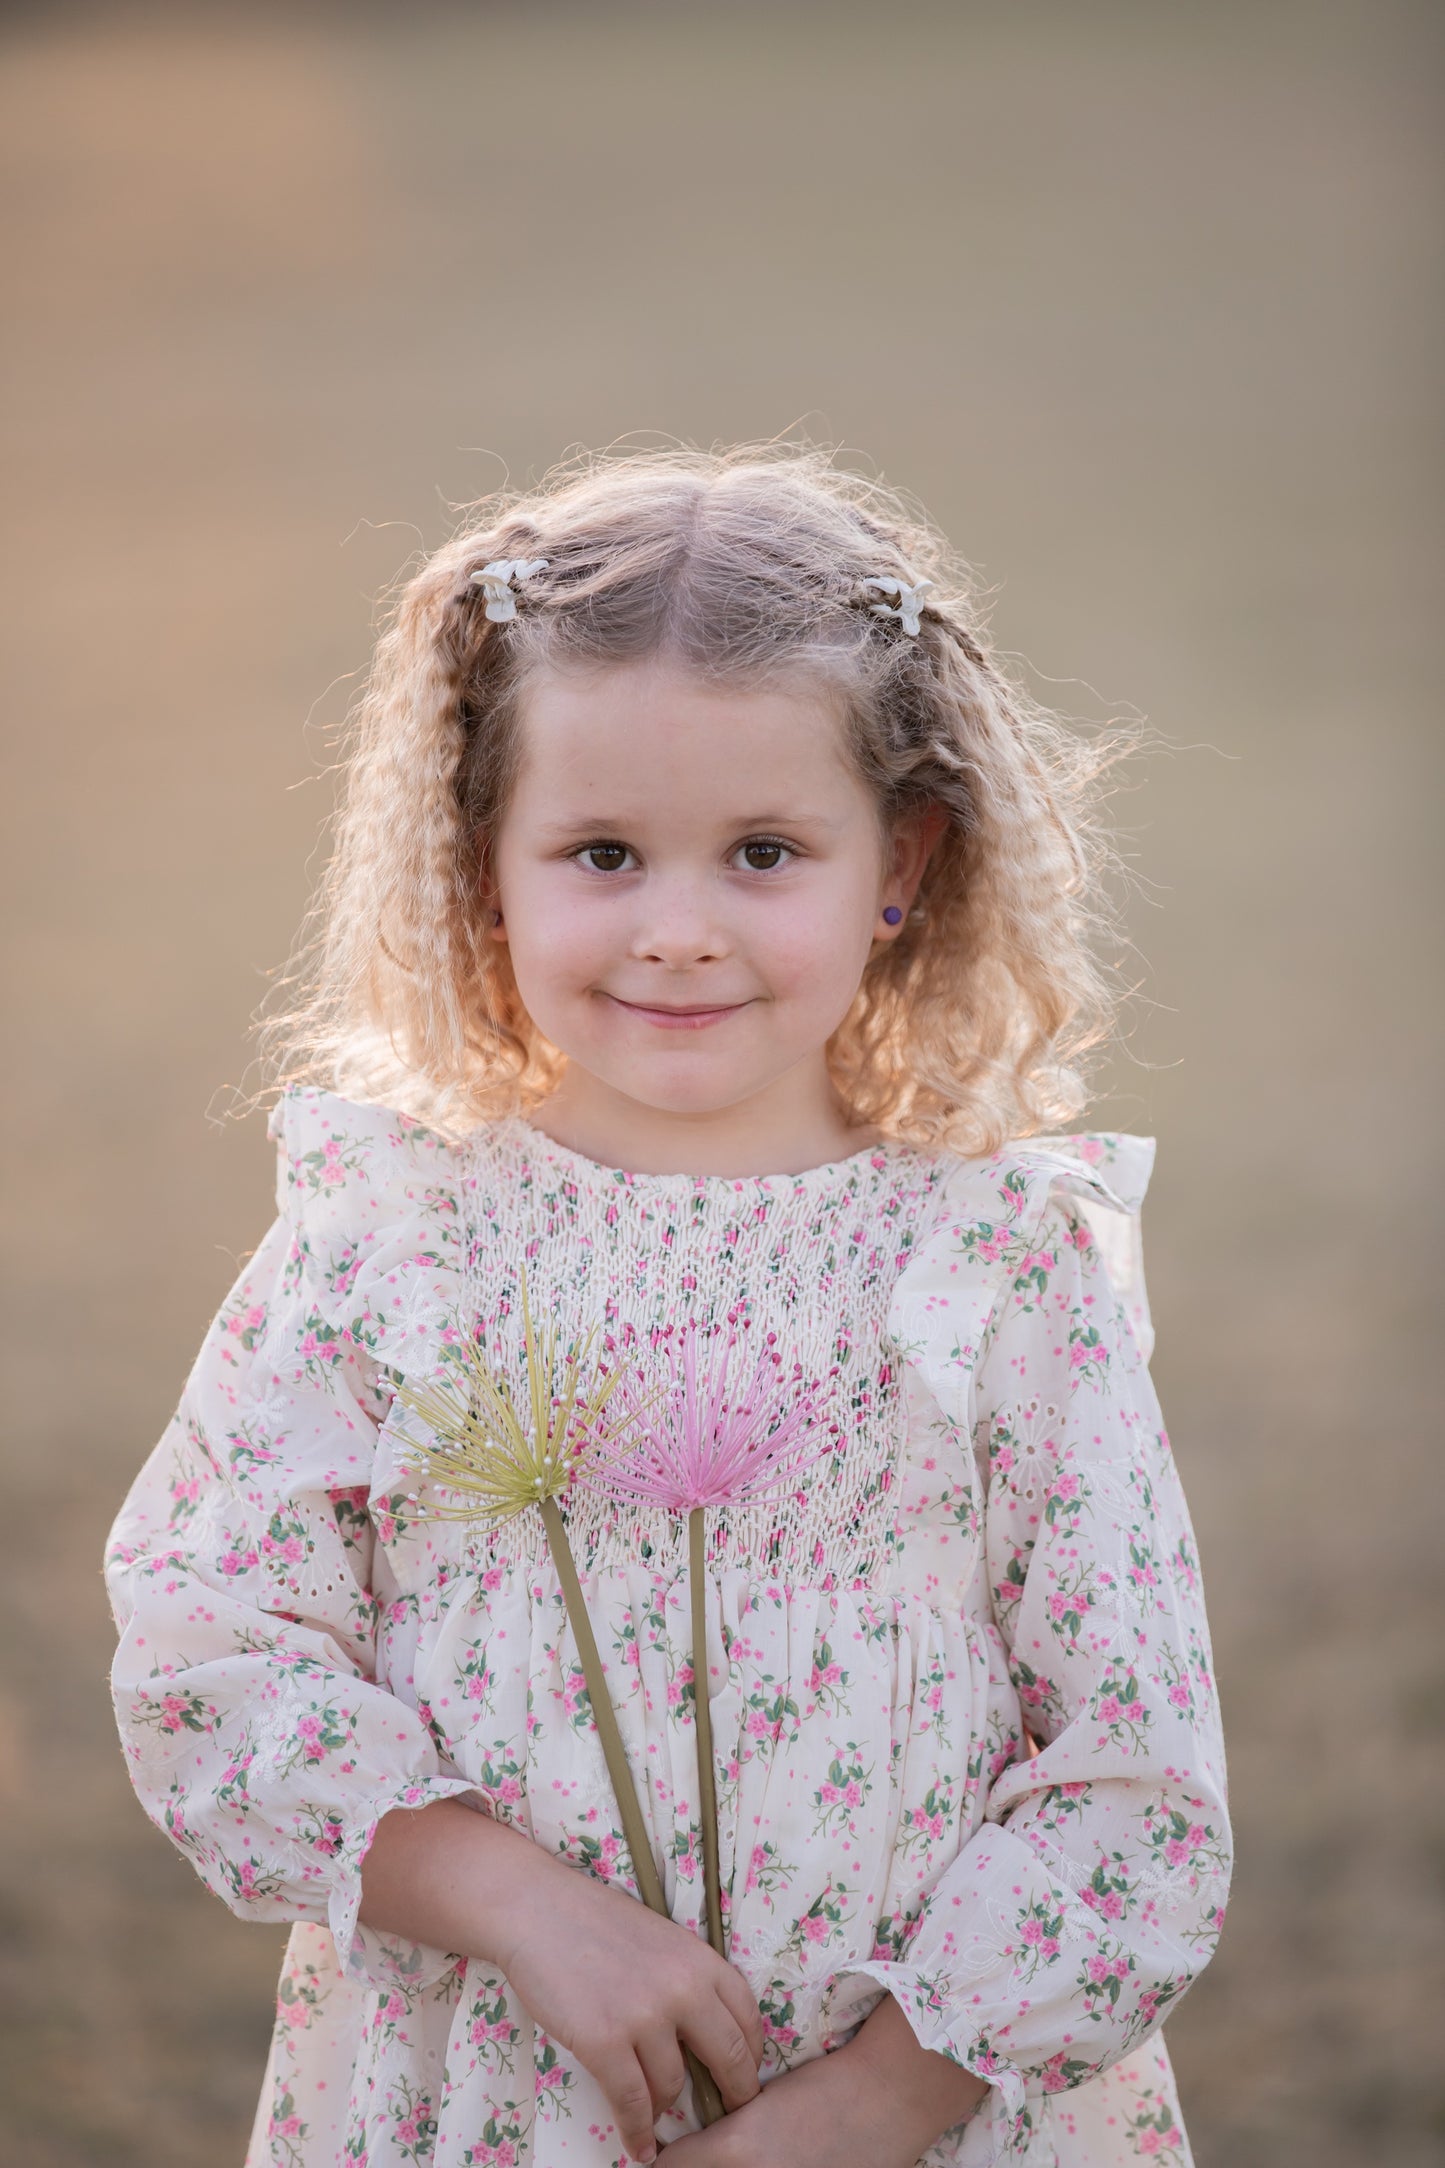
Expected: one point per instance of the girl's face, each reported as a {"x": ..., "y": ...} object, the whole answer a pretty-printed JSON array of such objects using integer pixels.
[{"x": 690, "y": 881}]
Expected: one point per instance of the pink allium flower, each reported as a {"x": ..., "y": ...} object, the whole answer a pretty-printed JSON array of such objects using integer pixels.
[{"x": 704, "y": 1439}]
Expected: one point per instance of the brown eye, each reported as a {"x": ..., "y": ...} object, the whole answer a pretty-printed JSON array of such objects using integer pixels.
[
  {"x": 762, "y": 855},
  {"x": 606, "y": 857}
]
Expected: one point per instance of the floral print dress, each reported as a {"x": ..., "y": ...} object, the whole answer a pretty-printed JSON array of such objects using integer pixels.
[{"x": 966, "y": 1733}]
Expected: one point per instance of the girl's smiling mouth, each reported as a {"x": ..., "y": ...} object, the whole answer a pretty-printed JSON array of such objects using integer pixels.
[{"x": 679, "y": 1019}]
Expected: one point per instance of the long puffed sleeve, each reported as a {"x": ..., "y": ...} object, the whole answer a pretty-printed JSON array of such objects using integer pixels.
[
  {"x": 240, "y": 1575},
  {"x": 1093, "y": 1893}
]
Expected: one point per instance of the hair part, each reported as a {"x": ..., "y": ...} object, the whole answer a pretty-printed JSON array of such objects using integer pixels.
[{"x": 742, "y": 566}]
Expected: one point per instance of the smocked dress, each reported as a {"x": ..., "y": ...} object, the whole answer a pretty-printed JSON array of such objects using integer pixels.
[{"x": 966, "y": 1731}]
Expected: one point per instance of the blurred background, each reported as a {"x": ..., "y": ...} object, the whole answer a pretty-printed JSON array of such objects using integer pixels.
[{"x": 1143, "y": 302}]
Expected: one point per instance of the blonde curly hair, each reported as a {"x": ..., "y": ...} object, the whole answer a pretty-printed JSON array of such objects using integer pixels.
[{"x": 742, "y": 565}]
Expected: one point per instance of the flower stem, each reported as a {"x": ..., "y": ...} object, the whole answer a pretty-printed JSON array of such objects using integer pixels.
[
  {"x": 634, "y": 1828},
  {"x": 702, "y": 1702}
]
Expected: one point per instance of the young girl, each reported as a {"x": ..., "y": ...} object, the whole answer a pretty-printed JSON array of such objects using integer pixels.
[{"x": 708, "y": 939}]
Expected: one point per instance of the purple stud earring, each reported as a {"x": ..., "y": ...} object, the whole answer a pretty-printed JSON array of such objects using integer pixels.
[{"x": 892, "y": 915}]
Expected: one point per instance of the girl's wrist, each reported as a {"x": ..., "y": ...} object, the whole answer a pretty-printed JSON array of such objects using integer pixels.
[
  {"x": 454, "y": 1879},
  {"x": 928, "y": 2093}
]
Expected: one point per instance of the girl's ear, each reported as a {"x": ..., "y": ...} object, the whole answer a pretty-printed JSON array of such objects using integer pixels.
[
  {"x": 932, "y": 823},
  {"x": 914, "y": 840},
  {"x": 489, "y": 898}
]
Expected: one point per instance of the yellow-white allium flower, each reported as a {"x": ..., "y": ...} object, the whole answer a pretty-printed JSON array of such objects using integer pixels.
[{"x": 493, "y": 1458}]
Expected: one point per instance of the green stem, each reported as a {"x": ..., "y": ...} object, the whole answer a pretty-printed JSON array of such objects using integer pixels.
[
  {"x": 702, "y": 1701},
  {"x": 629, "y": 1810},
  {"x": 634, "y": 1829}
]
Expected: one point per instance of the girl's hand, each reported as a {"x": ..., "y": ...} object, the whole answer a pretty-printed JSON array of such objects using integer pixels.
[
  {"x": 879, "y": 2102},
  {"x": 605, "y": 1978},
  {"x": 621, "y": 1989}
]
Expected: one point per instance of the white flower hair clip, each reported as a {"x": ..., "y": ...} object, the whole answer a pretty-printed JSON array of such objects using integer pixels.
[
  {"x": 909, "y": 601},
  {"x": 499, "y": 582}
]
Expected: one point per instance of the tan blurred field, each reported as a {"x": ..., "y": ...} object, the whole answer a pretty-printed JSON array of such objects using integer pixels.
[{"x": 1144, "y": 303}]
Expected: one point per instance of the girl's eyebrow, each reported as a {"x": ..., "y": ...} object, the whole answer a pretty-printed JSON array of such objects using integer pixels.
[{"x": 608, "y": 824}]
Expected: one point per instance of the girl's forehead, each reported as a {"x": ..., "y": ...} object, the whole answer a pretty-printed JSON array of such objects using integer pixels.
[{"x": 648, "y": 728}]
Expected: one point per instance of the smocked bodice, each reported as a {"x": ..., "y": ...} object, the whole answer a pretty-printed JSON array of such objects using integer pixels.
[{"x": 809, "y": 1258}]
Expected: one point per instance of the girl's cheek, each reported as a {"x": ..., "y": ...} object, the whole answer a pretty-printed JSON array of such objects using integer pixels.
[
  {"x": 816, "y": 946},
  {"x": 559, "y": 940}
]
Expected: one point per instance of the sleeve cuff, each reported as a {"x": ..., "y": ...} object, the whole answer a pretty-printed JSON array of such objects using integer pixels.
[
  {"x": 366, "y": 1956},
  {"x": 999, "y": 2129}
]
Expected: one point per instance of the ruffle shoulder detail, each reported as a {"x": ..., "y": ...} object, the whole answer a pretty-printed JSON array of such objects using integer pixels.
[
  {"x": 991, "y": 1217},
  {"x": 374, "y": 1197}
]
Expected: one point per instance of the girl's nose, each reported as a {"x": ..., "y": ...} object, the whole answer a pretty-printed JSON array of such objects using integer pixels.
[{"x": 679, "y": 926}]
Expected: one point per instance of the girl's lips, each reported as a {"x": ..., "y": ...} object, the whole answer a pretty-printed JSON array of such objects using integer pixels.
[{"x": 678, "y": 1019}]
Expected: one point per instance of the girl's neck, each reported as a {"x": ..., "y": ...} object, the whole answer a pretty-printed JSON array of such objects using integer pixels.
[{"x": 796, "y": 1124}]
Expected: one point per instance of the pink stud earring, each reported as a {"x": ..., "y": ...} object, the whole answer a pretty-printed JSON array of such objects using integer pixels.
[{"x": 892, "y": 916}]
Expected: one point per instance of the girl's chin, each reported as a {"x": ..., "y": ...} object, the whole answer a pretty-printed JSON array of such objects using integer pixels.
[{"x": 687, "y": 1082}]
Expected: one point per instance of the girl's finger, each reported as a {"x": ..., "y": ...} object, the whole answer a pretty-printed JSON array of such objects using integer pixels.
[
  {"x": 718, "y": 2040},
  {"x": 664, "y": 2069},
  {"x": 627, "y": 2089},
  {"x": 739, "y": 1998}
]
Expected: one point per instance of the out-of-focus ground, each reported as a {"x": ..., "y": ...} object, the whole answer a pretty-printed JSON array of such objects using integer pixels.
[{"x": 1144, "y": 303}]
